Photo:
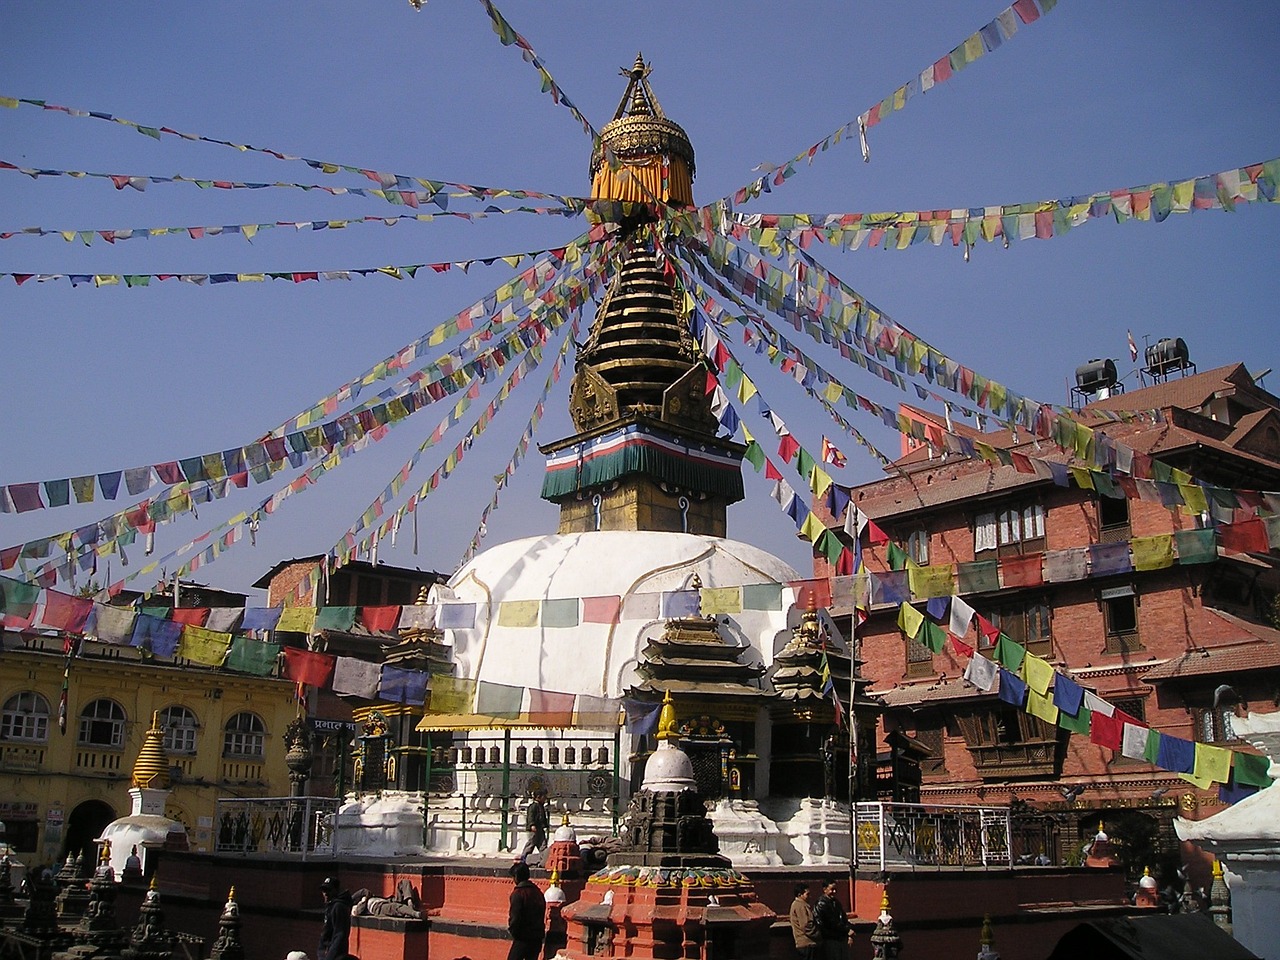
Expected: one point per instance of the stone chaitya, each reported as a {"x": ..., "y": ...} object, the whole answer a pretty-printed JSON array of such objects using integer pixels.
[{"x": 668, "y": 892}]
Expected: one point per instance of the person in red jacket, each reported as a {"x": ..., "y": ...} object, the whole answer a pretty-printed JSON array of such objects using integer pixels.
[{"x": 526, "y": 918}]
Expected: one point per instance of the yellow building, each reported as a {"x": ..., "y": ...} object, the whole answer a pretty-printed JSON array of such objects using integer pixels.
[{"x": 223, "y": 735}]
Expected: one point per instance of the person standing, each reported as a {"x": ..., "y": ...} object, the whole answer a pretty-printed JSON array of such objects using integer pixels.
[
  {"x": 803, "y": 928},
  {"x": 526, "y": 917},
  {"x": 335, "y": 936},
  {"x": 536, "y": 823},
  {"x": 834, "y": 932}
]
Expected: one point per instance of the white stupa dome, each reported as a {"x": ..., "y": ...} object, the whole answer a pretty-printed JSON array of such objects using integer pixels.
[
  {"x": 668, "y": 769},
  {"x": 598, "y": 659}
]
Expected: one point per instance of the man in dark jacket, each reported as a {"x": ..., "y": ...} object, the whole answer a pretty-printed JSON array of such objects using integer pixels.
[
  {"x": 335, "y": 937},
  {"x": 526, "y": 918},
  {"x": 832, "y": 922},
  {"x": 536, "y": 823}
]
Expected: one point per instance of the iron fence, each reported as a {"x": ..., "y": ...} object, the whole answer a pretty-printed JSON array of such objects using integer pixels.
[
  {"x": 917, "y": 835},
  {"x": 299, "y": 826}
]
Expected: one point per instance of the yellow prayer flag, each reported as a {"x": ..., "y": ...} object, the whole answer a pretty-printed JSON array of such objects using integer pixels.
[
  {"x": 1204, "y": 783},
  {"x": 833, "y": 391},
  {"x": 819, "y": 481},
  {"x": 1183, "y": 193},
  {"x": 1039, "y": 705},
  {"x": 720, "y": 600},
  {"x": 251, "y": 277},
  {"x": 1213, "y": 763},
  {"x": 813, "y": 528},
  {"x": 249, "y": 230},
  {"x": 746, "y": 389},
  {"x": 1152, "y": 553},
  {"x": 451, "y": 694},
  {"x": 910, "y": 620},
  {"x": 208, "y": 647},
  {"x": 518, "y": 613},
  {"x": 973, "y": 48},
  {"x": 937, "y": 580},
  {"x": 105, "y": 279},
  {"x": 1194, "y": 497},
  {"x": 9, "y": 102},
  {"x": 1082, "y": 477},
  {"x": 297, "y": 620},
  {"x": 1038, "y": 673}
]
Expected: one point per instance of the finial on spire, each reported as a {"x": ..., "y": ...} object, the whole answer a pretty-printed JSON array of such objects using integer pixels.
[{"x": 667, "y": 719}]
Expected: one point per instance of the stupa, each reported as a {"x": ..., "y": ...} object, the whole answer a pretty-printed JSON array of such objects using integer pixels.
[
  {"x": 668, "y": 892},
  {"x": 146, "y": 827}
]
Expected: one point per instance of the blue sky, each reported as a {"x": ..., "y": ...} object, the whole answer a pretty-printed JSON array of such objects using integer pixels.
[{"x": 1095, "y": 96}]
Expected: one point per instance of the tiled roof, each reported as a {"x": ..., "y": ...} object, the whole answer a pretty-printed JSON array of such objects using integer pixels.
[
  {"x": 1256, "y": 648},
  {"x": 1186, "y": 393},
  {"x": 918, "y": 693}
]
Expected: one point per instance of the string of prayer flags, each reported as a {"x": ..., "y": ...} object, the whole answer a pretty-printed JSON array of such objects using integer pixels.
[
  {"x": 388, "y": 181},
  {"x": 250, "y": 230},
  {"x": 987, "y": 38},
  {"x": 1028, "y": 220}
]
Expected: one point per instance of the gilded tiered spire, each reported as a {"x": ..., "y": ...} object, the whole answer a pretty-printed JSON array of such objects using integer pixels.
[
  {"x": 151, "y": 770},
  {"x": 652, "y": 158}
]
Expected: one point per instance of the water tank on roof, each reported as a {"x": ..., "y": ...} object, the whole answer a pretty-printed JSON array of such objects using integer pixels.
[
  {"x": 1096, "y": 375},
  {"x": 1166, "y": 355}
]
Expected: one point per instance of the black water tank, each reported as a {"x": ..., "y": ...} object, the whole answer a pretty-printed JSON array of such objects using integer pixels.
[
  {"x": 1096, "y": 375},
  {"x": 1167, "y": 354}
]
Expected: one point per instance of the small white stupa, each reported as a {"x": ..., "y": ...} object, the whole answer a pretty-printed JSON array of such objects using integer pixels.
[
  {"x": 146, "y": 827},
  {"x": 1245, "y": 837}
]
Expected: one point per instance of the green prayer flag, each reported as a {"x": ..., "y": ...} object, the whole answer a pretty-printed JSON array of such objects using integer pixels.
[
  {"x": 1077, "y": 724},
  {"x": 762, "y": 596},
  {"x": 1196, "y": 546},
  {"x": 335, "y": 618},
  {"x": 934, "y": 636},
  {"x": 1153, "y": 747},
  {"x": 560, "y": 613},
  {"x": 499, "y": 700},
  {"x": 1009, "y": 653},
  {"x": 897, "y": 557},
  {"x": 1251, "y": 769},
  {"x": 754, "y": 455},
  {"x": 252, "y": 656}
]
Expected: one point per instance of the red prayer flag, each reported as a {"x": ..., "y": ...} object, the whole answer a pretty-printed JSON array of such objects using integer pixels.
[
  {"x": 788, "y": 446},
  {"x": 1024, "y": 571},
  {"x": 875, "y": 536},
  {"x": 380, "y": 619},
  {"x": 601, "y": 609},
  {"x": 65, "y": 612},
  {"x": 308, "y": 667},
  {"x": 1026, "y": 10},
  {"x": 959, "y": 646},
  {"x": 988, "y": 630},
  {"x": 1106, "y": 731},
  {"x": 812, "y": 594},
  {"x": 191, "y": 616},
  {"x": 550, "y": 709},
  {"x": 770, "y": 471},
  {"x": 1247, "y": 537}
]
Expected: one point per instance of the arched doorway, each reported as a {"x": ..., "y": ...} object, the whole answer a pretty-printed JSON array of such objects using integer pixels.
[{"x": 86, "y": 823}]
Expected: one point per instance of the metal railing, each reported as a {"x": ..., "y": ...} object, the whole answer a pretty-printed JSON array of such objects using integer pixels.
[
  {"x": 917, "y": 835},
  {"x": 301, "y": 826}
]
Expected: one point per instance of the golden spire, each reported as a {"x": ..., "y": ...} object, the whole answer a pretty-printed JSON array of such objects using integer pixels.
[
  {"x": 649, "y": 157},
  {"x": 151, "y": 770},
  {"x": 1217, "y": 869},
  {"x": 104, "y": 853},
  {"x": 667, "y": 719},
  {"x": 987, "y": 938}
]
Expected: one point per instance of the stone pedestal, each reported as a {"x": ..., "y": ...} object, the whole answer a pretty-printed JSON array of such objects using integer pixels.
[
  {"x": 811, "y": 831},
  {"x": 747, "y": 837}
]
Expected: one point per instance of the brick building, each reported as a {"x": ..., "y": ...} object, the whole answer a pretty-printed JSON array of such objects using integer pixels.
[{"x": 1180, "y": 646}]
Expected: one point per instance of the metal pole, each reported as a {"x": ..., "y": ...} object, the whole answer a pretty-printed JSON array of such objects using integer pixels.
[
  {"x": 506, "y": 786},
  {"x": 617, "y": 775},
  {"x": 853, "y": 755}
]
